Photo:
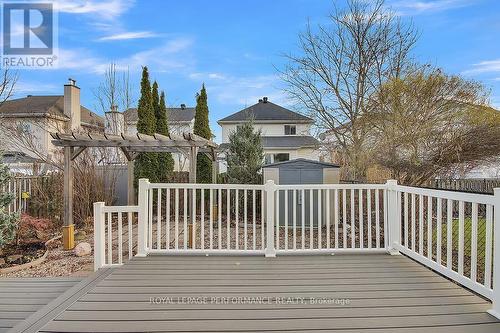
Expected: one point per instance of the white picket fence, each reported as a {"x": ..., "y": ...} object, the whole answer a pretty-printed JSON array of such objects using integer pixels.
[
  {"x": 452, "y": 233},
  {"x": 21, "y": 188}
]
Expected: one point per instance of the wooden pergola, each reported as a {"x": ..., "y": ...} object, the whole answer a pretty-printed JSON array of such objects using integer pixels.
[{"x": 74, "y": 144}]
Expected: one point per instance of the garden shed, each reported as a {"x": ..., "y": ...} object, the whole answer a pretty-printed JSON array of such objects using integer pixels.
[{"x": 301, "y": 171}]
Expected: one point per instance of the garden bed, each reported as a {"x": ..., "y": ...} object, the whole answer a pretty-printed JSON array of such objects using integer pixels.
[{"x": 23, "y": 253}]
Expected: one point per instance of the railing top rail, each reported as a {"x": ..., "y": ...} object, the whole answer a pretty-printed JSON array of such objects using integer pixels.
[
  {"x": 332, "y": 186},
  {"x": 261, "y": 187},
  {"x": 120, "y": 209},
  {"x": 206, "y": 186},
  {"x": 452, "y": 195}
]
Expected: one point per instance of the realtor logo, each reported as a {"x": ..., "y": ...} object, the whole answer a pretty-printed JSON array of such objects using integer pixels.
[{"x": 28, "y": 35}]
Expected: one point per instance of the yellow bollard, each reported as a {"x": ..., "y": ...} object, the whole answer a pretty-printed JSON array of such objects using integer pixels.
[{"x": 68, "y": 236}]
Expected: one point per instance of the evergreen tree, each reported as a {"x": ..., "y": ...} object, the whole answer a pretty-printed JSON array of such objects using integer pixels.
[
  {"x": 245, "y": 155},
  {"x": 202, "y": 128},
  {"x": 8, "y": 221},
  {"x": 146, "y": 164},
  {"x": 165, "y": 160}
]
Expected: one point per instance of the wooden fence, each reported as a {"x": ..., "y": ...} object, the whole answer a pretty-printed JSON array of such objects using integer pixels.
[{"x": 477, "y": 185}]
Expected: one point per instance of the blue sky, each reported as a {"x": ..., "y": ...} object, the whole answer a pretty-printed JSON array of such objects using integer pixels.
[{"x": 235, "y": 46}]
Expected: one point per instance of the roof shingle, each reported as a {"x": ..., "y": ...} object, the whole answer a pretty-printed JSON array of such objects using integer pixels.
[
  {"x": 173, "y": 114},
  {"x": 52, "y": 105},
  {"x": 266, "y": 111}
]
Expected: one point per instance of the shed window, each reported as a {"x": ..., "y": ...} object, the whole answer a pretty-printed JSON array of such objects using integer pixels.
[{"x": 290, "y": 130}]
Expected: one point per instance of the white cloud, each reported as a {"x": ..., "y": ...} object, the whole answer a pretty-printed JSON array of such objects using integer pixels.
[
  {"x": 173, "y": 54},
  {"x": 23, "y": 88},
  {"x": 105, "y": 9},
  {"x": 201, "y": 76},
  {"x": 242, "y": 90},
  {"x": 415, "y": 7},
  {"x": 129, "y": 35},
  {"x": 487, "y": 66}
]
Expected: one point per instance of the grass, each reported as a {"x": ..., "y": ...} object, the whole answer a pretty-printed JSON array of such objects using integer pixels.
[{"x": 481, "y": 244}]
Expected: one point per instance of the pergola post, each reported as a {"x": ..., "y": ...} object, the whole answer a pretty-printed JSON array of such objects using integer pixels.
[
  {"x": 68, "y": 227},
  {"x": 215, "y": 169},
  {"x": 130, "y": 183},
  {"x": 193, "y": 156}
]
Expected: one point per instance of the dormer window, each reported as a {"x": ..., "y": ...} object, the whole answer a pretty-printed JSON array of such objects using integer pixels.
[{"x": 290, "y": 130}]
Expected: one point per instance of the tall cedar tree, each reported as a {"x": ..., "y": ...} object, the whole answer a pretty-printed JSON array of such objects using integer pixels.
[
  {"x": 165, "y": 160},
  {"x": 202, "y": 128},
  {"x": 146, "y": 164},
  {"x": 8, "y": 221},
  {"x": 245, "y": 155}
]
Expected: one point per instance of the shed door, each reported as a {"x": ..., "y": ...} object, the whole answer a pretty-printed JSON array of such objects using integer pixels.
[{"x": 299, "y": 176}]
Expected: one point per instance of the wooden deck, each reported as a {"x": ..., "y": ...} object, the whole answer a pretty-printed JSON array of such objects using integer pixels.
[
  {"x": 22, "y": 297},
  {"x": 359, "y": 293}
]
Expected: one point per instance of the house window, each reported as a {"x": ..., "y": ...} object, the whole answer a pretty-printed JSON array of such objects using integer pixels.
[
  {"x": 290, "y": 130},
  {"x": 275, "y": 158},
  {"x": 282, "y": 157}
]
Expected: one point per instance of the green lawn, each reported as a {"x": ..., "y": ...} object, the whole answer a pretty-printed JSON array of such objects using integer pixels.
[{"x": 481, "y": 244}]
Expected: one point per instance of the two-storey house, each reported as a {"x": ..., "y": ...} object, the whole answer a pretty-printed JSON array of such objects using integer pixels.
[
  {"x": 180, "y": 120},
  {"x": 26, "y": 123},
  {"x": 285, "y": 134}
]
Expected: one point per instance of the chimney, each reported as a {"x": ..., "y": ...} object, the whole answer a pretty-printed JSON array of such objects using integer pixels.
[
  {"x": 183, "y": 106},
  {"x": 264, "y": 99},
  {"x": 72, "y": 104},
  {"x": 115, "y": 121}
]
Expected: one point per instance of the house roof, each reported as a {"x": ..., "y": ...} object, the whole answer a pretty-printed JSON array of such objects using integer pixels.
[
  {"x": 286, "y": 141},
  {"x": 265, "y": 111},
  {"x": 173, "y": 114},
  {"x": 43, "y": 105},
  {"x": 18, "y": 157},
  {"x": 302, "y": 162}
]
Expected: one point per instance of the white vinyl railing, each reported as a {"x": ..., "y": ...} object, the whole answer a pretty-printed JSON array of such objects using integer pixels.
[
  {"x": 264, "y": 219},
  {"x": 452, "y": 233},
  {"x": 115, "y": 234}
]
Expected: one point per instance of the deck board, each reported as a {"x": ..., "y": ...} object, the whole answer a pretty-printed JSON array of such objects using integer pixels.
[
  {"x": 22, "y": 297},
  {"x": 374, "y": 293}
]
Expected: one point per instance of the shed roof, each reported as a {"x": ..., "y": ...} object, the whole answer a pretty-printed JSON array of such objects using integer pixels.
[{"x": 302, "y": 163}]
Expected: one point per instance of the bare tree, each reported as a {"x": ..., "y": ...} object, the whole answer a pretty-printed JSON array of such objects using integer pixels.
[
  {"x": 430, "y": 124},
  {"x": 8, "y": 82},
  {"x": 341, "y": 65},
  {"x": 114, "y": 91}
]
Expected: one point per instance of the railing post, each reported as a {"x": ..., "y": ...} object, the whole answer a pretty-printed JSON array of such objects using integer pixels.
[
  {"x": 99, "y": 244},
  {"x": 495, "y": 310},
  {"x": 142, "y": 225},
  {"x": 269, "y": 190},
  {"x": 393, "y": 222}
]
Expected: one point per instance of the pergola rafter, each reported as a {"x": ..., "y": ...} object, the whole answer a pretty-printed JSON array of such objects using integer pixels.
[{"x": 131, "y": 145}]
